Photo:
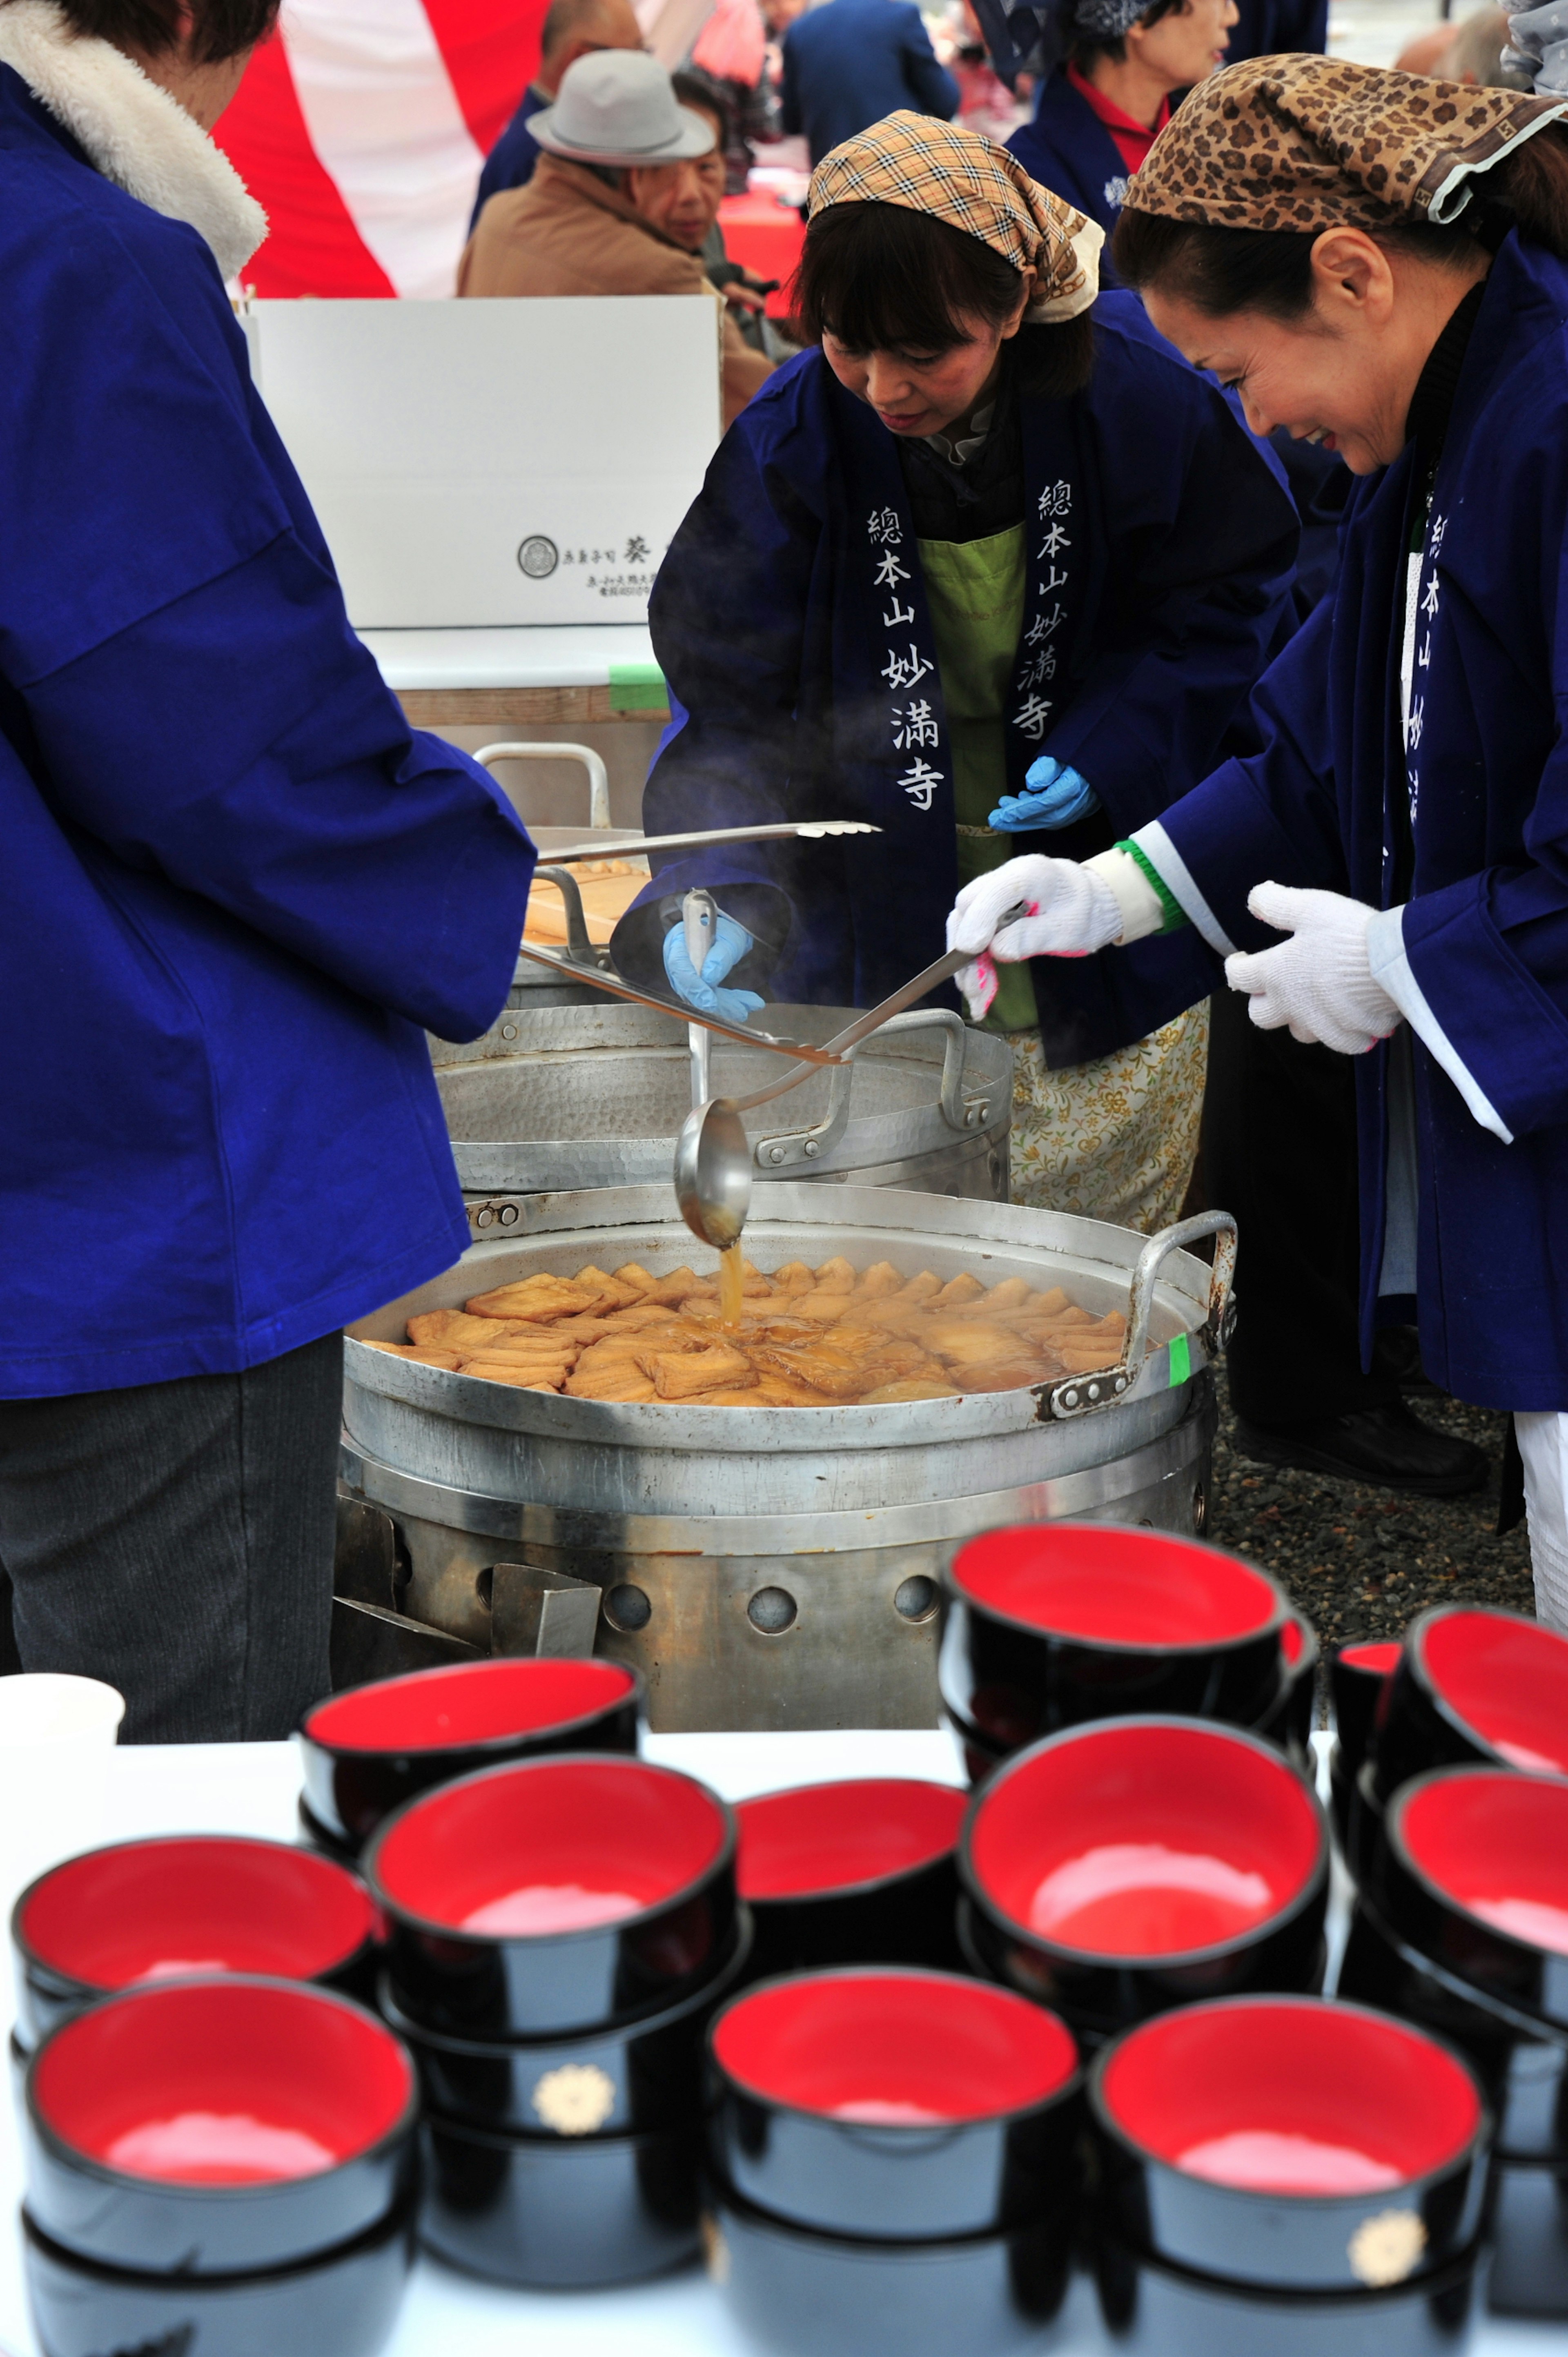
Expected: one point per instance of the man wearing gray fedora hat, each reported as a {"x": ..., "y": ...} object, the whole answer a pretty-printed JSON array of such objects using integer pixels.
[{"x": 621, "y": 160}]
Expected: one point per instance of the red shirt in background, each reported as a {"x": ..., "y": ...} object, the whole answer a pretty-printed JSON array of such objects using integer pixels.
[{"x": 1133, "y": 142}]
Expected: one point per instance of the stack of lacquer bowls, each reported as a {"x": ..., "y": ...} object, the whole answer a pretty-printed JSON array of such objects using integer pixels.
[
  {"x": 1118, "y": 1869},
  {"x": 1283, "y": 2176},
  {"x": 218, "y": 2166},
  {"x": 558, "y": 1934},
  {"x": 1462, "y": 1924},
  {"x": 1052, "y": 1625},
  {"x": 368, "y": 1752},
  {"x": 1358, "y": 1679},
  {"x": 1471, "y": 1686},
  {"x": 856, "y": 1873},
  {"x": 893, "y": 2164},
  {"x": 183, "y": 1904}
]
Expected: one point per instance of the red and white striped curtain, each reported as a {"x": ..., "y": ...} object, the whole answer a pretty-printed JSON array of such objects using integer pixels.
[{"x": 361, "y": 126}]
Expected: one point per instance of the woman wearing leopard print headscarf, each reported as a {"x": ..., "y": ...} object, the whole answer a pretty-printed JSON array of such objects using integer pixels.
[{"x": 1381, "y": 263}]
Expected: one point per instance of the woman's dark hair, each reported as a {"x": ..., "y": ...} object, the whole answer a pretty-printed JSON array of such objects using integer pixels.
[
  {"x": 1222, "y": 270},
  {"x": 221, "y": 28},
  {"x": 1087, "y": 46},
  {"x": 693, "y": 88},
  {"x": 882, "y": 278}
]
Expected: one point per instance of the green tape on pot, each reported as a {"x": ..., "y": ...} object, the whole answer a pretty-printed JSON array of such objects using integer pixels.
[
  {"x": 638, "y": 687},
  {"x": 1181, "y": 1360}
]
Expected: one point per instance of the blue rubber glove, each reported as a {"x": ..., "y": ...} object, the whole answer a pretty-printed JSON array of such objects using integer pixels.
[
  {"x": 1056, "y": 797},
  {"x": 731, "y": 942}
]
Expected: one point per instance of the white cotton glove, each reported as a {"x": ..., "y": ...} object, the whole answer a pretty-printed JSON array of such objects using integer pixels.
[
  {"x": 1072, "y": 912},
  {"x": 1319, "y": 985}
]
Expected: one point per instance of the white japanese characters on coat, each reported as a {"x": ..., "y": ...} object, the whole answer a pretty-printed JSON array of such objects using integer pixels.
[{"x": 913, "y": 725}]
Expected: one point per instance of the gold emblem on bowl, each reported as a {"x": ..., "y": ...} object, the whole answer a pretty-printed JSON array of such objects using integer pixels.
[
  {"x": 1387, "y": 2248},
  {"x": 575, "y": 2100}
]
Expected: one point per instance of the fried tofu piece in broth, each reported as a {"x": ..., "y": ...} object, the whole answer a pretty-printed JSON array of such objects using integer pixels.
[
  {"x": 835, "y": 1277},
  {"x": 923, "y": 1287},
  {"x": 535, "y": 1297},
  {"x": 451, "y": 1330},
  {"x": 423, "y": 1355},
  {"x": 909, "y": 1387},
  {"x": 878, "y": 1282},
  {"x": 680, "y": 1374},
  {"x": 624, "y": 1384},
  {"x": 794, "y": 1277},
  {"x": 516, "y": 1373},
  {"x": 958, "y": 1292}
]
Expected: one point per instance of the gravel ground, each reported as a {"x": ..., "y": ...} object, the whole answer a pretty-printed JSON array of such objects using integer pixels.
[{"x": 1361, "y": 1561}]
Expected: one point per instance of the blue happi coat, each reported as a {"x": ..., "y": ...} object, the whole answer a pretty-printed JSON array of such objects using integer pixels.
[
  {"x": 235, "y": 887},
  {"x": 1486, "y": 929},
  {"x": 1068, "y": 150},
  {"x": 790, "y": 620}
]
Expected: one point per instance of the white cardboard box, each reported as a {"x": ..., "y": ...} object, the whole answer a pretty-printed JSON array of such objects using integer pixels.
[{"x": 504, "y": 462}]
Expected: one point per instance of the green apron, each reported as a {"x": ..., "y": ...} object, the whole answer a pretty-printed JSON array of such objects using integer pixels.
[{"x": 975, "y": 589}]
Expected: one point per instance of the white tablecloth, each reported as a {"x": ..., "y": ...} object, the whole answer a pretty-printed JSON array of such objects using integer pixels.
[{"x": 252, "y": 1788}]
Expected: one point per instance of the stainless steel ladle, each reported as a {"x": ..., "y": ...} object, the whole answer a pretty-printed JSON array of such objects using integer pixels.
[{"x": 712, "y": 1153}]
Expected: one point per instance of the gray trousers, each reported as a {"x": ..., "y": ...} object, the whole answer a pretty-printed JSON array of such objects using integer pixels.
[{"x": 176, "y": 1539}]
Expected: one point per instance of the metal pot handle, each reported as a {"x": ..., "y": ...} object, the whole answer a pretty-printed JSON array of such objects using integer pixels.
[
  {"x": 598, "y": 776},
  {"x": 772, "y": 1154},
  {"x": 1078, "y": 1395},
  {"x": 578, "y": 945}
]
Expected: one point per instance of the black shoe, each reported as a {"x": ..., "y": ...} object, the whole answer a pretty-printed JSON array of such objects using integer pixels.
[
  {"x": 1386, "y": 1446},
  {"x": 1396, "y": 1356}
]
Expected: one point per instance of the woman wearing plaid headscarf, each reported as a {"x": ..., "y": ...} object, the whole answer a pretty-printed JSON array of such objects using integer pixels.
[
  {"x": 989, "y": 558},
  {"x": 1381, "y": 263}
]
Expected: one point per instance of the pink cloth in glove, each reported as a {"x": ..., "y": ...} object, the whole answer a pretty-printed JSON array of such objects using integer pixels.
[
  {"x": 1072, "y": 912},
  {"x": 1318, "y": 985}
]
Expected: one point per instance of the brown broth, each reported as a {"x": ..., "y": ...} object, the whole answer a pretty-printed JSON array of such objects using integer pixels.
[{"x": 731, "y": 1277}]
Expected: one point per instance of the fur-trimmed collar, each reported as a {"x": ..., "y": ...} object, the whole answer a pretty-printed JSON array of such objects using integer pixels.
[{"x": 133, "y": 131}]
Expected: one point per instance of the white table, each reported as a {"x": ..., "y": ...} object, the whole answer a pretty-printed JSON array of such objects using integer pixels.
[
  {"x": 252, "y": 1788},
  {"x": 587, "y": 671}
]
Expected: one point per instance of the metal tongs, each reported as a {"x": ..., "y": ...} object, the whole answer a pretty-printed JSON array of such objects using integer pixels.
[{"x": 615, "y": 842}]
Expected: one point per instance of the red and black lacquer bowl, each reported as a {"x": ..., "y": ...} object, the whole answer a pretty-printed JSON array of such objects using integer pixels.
[
  {"x": 1474, "y": 1685},
  {"x": 1473, "y": 1870},
  {"x": 801, "y": 2292},
  {"x": 1521, "y": 2061},
  {"x": 642, "y": 2075},
  {"x": 557, "y": 2213},
  {"x": 369, "y": 1750},
  {"x": 1053, "y": 1624},
  {"x": 341, "y": 2303},
  {"x": 1120, "y": 1869},
  {"x": 555, "y": 1895},
  {"x": 1358, "y": 1676},
  {"x": 1291, "y": 2141},
  {"x": 861, "y": 1872},
  {"x": 1290, "y": 1719},
  {"x": 167, "y": 1909},
  {"x": 218, "y": 2126},
  {"x": 1153, "y": 2309},
  {"x": 900, "y": 2105}
]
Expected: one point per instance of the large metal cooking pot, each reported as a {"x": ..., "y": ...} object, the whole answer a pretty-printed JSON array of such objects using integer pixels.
[
  {"x": 592, "y": 1096},
  {"x": 779, "y": 1568}
]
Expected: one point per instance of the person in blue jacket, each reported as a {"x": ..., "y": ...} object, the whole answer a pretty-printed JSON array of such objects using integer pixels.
[
  {"x": 1298, "y": 1400},
  {"x": 237, "y": 890},
  {"x": 571, "y": 29},
  {"x": 849, "y": 62},
  {"x": 1381, "y": 263},
  {"x": 990, "y": 531},
  {"x": 1099, "y": 111}
]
